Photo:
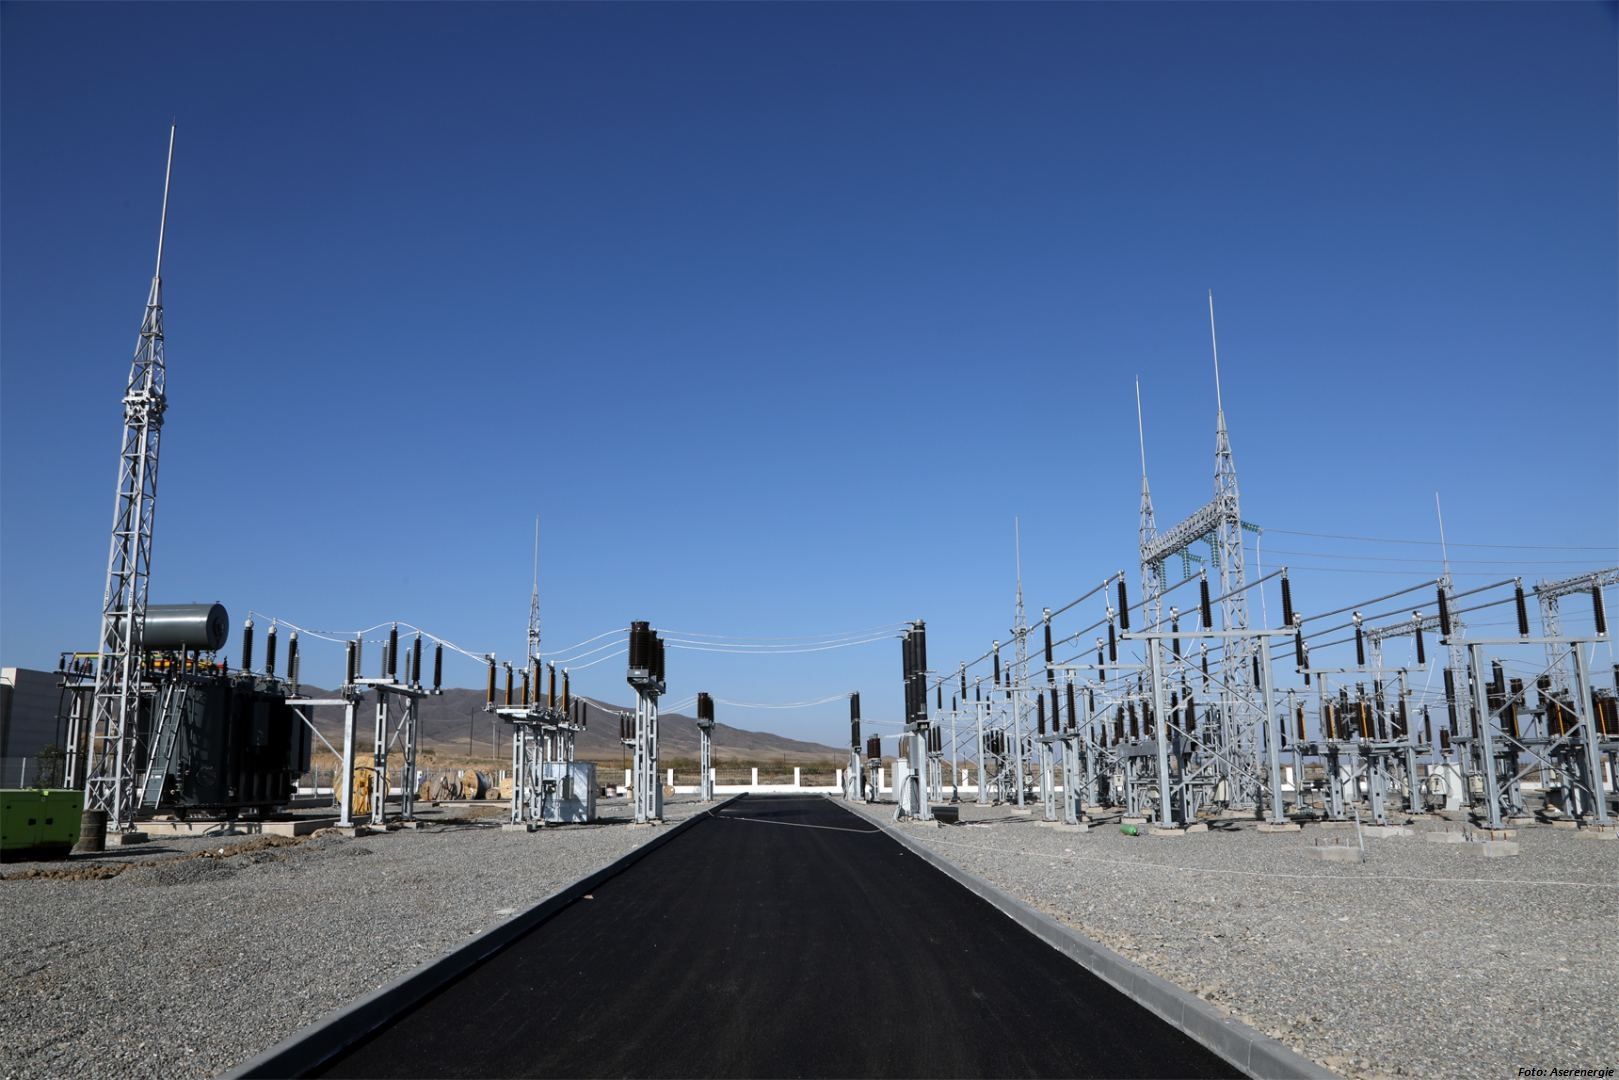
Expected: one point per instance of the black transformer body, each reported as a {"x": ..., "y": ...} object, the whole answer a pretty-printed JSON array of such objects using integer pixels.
[{"x": 239, "y": 746}]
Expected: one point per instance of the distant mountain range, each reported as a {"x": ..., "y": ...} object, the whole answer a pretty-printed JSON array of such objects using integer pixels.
[{"x": 446, "y": 720}]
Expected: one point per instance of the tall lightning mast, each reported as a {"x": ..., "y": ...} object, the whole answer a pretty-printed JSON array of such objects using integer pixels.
[
  {"x": 1020, "y": 635},
  {"x": 534, "y": 601},
  {"x": 110, "y": 782},
  {"x": 1152, "y": 573},
  {"x": 1228, "y": 535}
]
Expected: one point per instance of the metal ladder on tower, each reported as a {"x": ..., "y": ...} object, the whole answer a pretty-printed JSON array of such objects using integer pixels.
[{"x": 171, "y": 717}]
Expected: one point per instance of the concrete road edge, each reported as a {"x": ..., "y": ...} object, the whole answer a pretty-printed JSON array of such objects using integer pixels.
[
  {"x": 308, "y": 1047},
  {"x": 1256, "y": 1054}
]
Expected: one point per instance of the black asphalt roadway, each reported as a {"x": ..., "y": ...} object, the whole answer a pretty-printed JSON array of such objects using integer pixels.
[{"x": 785, "y": 937}]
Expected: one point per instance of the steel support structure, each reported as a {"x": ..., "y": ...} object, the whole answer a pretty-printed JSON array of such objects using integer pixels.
[{"x": 115, "y": 746}]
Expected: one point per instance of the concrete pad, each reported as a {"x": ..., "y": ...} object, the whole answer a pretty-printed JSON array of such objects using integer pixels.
[
  {"x": 1159, "y": 830},
  {"x": 295, "y": 827},
  {"x": 1022, "y": 811},
  {"x": 1519, "y": 820},
  {"x": 1334, "y": 824},
  {"x": 1282, "y": 827},
  {"x": 1445, "y": 836},
  {"x": 1387, "y": 830},
  {"x": 1198, "y": 826},
  {"x": 1500, "y": 834},
  {"x": 1048, "y": 824},
  {"x": 1132, "y": 819},
  {"x": 1083, "y": 826},
  {"x": 1601, "y": 832},
  {"x": 125, "y": 839},
  {"x": 1564, "y": 823},
  {"x": 353, "y": 830},
  {"x": 1497, "y": 849},
  {"x": 519, "y": 826},
  {"x": 1333, "y": 853}
]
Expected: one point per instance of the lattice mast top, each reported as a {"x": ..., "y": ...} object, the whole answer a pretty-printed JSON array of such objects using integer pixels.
[
  {"x": 1233, "y": 575},
  {"x": 110, "y": 777},
  {"x": 1020, "y": 620},
  {"x": 1152, "y": 576},
  {"x": 534, "y": 600}
]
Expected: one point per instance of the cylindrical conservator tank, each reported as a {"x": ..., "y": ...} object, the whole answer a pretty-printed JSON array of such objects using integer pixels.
[{"x": 172, "y": 627}]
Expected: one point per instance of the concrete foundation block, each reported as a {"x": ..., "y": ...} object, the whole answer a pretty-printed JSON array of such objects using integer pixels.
[
  {"x": 1333, "y": 853},
  {"x": 1497, "y": 849},
  {"x": 353, "y": 830},
  {"x": 1132, "y": 819},
  {"x": 125, "y": 839},
  {"x": 1520, "y": 820},
  {"x": 1387, "y": 830},
  {"x": 1280, "y": 827},
  {"x": 1022, "y": 811},
  {"x": 1159, "y": 830},
  {"x": 1445, "y": 836},
  {"x": 1082, "y": 826},
  {"x": 1500, "y": 834},
  {"x": 519, "y": 826},
  {"x": 1198, "y": 826},
  {"x": 1601, "y": 832}
]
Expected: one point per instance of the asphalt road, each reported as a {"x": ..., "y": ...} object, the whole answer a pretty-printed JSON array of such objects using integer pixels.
[{"x": 784, "y": 937}]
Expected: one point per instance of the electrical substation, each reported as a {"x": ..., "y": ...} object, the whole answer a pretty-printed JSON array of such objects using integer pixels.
[{"x": 1159, "y": 702}]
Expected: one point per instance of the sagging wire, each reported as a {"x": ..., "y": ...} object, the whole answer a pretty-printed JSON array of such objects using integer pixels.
[
  {"x": 798, "y": 639},
  {"x": 678, "y": 643},
  {"x": 784, "y": 705},
  {"x": 1453, "y": 543}
]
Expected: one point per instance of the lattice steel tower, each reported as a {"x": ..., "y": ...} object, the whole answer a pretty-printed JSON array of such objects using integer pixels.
[{"x": 110, "y": 782}]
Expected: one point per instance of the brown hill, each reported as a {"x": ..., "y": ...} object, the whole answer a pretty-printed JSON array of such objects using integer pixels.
[{"x": 450, "y": 722}]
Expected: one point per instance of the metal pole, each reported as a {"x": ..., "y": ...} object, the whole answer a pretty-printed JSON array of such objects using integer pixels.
[
  {"x": 1588, "y": 734},
  {"x": 1272, "y": 741},
  {"x": 1160, "y": 730},
  {"x": 1486, "y": 744},
  {"x": 345, "y": 812}
]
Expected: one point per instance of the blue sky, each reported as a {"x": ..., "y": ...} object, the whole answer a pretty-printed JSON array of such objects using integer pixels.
[{"x": 779, "y": 314}]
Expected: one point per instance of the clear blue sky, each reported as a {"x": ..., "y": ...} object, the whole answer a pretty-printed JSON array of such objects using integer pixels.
[{"x": 779, "y": 314}]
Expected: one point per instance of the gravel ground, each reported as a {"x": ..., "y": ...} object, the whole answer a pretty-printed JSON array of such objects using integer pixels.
[
  {"x": 1425, "y": 960},
  {"x": 206, "y": 960}
]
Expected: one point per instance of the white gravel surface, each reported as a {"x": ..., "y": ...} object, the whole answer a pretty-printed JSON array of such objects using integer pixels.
[
  {"x": 1425, "y": 960},
  {"x": 189, "y": 966}
]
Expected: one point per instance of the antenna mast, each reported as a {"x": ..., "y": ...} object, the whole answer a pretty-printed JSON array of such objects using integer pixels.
[{"x": 114, "y": 750}]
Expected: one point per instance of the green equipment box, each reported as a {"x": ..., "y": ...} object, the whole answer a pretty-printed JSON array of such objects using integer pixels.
[{"x": 39, "y": 823}]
